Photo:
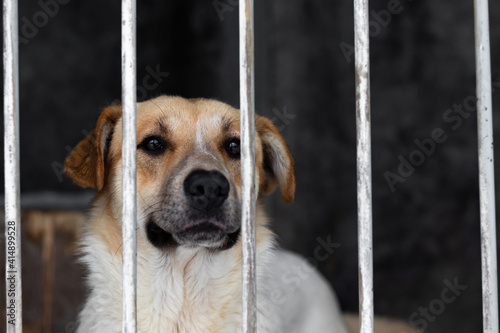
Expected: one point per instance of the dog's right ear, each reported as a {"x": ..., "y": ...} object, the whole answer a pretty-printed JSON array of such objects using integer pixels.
[{"x": 86, "y": 163}]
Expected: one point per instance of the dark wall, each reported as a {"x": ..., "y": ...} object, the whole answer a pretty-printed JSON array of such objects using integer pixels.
[{"x": 426, "y": 224}]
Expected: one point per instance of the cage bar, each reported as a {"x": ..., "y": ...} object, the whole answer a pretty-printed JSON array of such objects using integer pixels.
[
  {"x": 486, "y": 168},
  {"x": 129, "y": 160},
  {"x": 248, "y": 186},
  {"x": 364, "y": 172},
  {"x": 12, "y": 172}
]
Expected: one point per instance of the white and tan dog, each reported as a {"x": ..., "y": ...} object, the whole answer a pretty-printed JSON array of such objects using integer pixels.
[{"x": 188, "y": 240}]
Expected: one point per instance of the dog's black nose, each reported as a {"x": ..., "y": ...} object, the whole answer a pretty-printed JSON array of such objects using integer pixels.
[{"x": 206, "y": 189}]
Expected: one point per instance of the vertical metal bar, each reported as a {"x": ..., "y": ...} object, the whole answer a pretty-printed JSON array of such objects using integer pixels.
[
  {"x": 11, "y": 159},
  {"x": 129, "y": 163},
  {"x": 248, "y": 186},
  {"x": 486, "y": 168},
  {"x": 364, "y": 173}
]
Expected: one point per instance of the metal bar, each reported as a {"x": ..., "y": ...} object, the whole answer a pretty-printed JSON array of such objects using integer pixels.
[
  {"x": 11, "y": 159},
  {"x": 248, "y": 186},
  {"x": 129, "y": 163},
  {"x": 486, "y": 168},
  {"x": 364, "y": 173}
]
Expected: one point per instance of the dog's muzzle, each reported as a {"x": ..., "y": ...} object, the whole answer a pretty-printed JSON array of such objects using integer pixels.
[{"x": 207, "y": 219}]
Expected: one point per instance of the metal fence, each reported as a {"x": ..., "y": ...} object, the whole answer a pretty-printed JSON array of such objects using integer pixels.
[{"x": 249, "y": 317}]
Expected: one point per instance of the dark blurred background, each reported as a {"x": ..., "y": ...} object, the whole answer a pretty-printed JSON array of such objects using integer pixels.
[{"x": 426, "y": 216}]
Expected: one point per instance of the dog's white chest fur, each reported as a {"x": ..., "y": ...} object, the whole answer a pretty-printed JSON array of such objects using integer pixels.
[{"x": 198, "y": 292}]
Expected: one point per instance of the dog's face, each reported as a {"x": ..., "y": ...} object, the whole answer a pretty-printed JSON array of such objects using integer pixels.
[{"x": 188, "y": 169}]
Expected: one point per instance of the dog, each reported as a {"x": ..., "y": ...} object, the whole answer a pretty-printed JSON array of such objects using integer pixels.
[{"x": 188, "y": 225}]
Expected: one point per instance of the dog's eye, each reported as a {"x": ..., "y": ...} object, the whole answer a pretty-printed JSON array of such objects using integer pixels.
[
  {"x": 233, "y": 148},
  {"x": 153, "y": 145}
]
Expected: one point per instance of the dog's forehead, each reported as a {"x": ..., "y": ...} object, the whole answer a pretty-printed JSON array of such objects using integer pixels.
[{"x": 180, "y": 115}]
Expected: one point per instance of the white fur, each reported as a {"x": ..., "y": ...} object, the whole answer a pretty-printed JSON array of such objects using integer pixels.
[{"x": 184, "y": 292}]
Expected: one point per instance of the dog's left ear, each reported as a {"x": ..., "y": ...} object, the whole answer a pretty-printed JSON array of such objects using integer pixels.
[{"x": 277, "y": 160}]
